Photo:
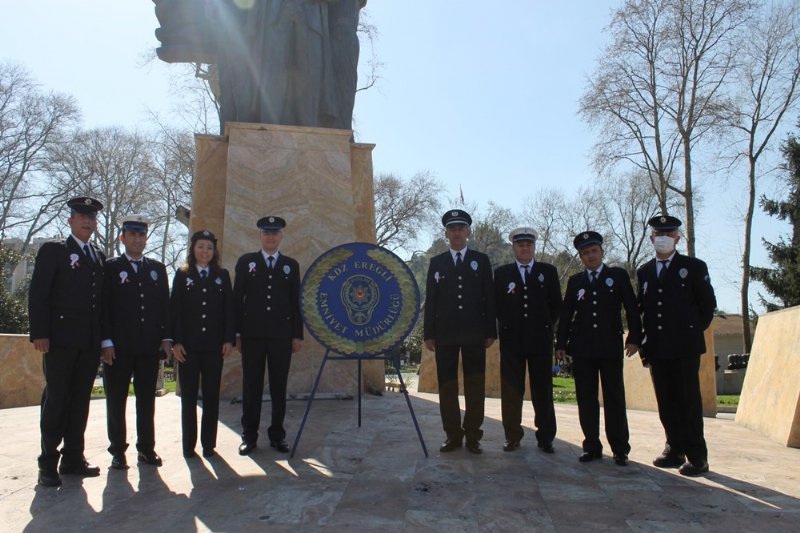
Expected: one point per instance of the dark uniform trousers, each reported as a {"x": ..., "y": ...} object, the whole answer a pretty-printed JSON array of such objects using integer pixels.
[
  {"x": 136, "y": 313},
  {"x": 680, "y": 408},
  {"x": 267, "y": 316},
  {"x": 201, "y": 320},
  {"x": 610, "y": 370},
  {"x": 676, "y": 309},
  {"x": 459, "y": 317},
  {"x": 207, "y": 363},
  {"x": 473, "y": 361},
  {"x": 64, "y": 305},
  {"x": 512, "y": 391},
  {"x": 526, "y": 316},
  {"x": 116, "y": 381},
  {"x": 274, "y": 355},
  {"x": 590, "y": 331}
]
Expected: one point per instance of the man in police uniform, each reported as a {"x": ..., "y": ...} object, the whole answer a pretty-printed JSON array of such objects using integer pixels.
[
  {"x": 64, "y": 305},
  {"x": 266, "y": 296},
  {"x": 136, "y": 302},
  {"x": 590, "y": 331},
  {"x": 528, "y": 296},
  {"x": 677, "y": 303},
  {"x": 460, "y": 317}
]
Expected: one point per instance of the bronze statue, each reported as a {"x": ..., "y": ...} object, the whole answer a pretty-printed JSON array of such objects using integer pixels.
[{"x": 291, "y": 62}]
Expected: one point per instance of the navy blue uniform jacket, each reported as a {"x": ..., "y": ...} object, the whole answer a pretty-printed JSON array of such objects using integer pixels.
[
  {"x": 526, "y": 316},
  {"x": 267, "y": 302},
  {"x": 459, "y": 302},
  {"x": 676, "y": 311},
  {"x": 201, "y": 311},
  {"x": 591, "y": 322},
  {"x": 136, "y": 306},
  {"x": 65, "y": 296}
]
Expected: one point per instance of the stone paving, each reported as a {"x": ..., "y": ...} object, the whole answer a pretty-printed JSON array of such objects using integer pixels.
[{"x": 376, "y": 478}]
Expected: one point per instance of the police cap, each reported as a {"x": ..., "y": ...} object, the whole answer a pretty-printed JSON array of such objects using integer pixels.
[{"x": 587, "y": 238}]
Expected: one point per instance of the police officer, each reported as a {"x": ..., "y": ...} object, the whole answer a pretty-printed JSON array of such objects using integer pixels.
[
  {"x": 460, "y": 317},
  {"x": 677, "y": 303},
  {"x": 136, "y": 305},
  {"x": 590, "y": 331},
  {"x": 64, "y": 305},
  {"x": 528, "y": 296},
  {"x": 203, "y": 333},
  {"x": 269, "y": 329}
]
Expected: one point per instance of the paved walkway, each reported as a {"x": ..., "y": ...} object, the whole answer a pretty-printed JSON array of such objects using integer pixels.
[{"x": 375, "y": 478}]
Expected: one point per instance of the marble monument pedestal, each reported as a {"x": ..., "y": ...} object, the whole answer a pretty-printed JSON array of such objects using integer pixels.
[
  {"x": 317, "y": 180},
  {"x": 770, "y": 400}
]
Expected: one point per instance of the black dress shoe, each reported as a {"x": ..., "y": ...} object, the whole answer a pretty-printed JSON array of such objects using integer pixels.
[
  {"x": 118, "y": 461},
  {"x": 669, "y": 460},
  {"x": 449, "y": 445},
  {"x": 208, "y": 453},
  {"x": 621, "y": 459},
  {"x": 80, "y": 468},
  {"x": 246, "y": 447},
  {"x": 279, "y": 445},
  {"x": 150, "y": 458},
  {"x": 49, "y": 478},
  {"x": 546, "y": 447},
  {"x": 510, "y": 445},
  {"x": 585, "y": 457},
  {"x": 189, "y": 454},
  {"x": 474, "y": 446},
  {"x": 694, "y": 468}
]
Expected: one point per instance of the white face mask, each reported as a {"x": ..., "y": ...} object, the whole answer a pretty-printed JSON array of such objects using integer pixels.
[{"x": 663, "y": 244}]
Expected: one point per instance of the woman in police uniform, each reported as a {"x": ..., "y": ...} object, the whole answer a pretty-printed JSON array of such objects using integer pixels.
[{"x": 203, "y": 333}]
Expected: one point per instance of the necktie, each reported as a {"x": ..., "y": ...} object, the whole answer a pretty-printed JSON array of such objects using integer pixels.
[
  {"x": 525, "y": 275},
  {"x": 270, "y": 259},
  {"x": 663, "y": 271},
  {"x": 88, "y": 252},
  {"x": 593, "y": 276},
  {"x": 203, "y": 273},
  {"x": 459, "y": 262},
  {"x": 136, "y": 265}
]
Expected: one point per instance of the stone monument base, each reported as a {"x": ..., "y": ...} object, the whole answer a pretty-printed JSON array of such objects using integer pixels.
[
  {"x": 318, "y": 181},
  {"x": 21, "y": 373},
  {"x": 770, "y": 400}
]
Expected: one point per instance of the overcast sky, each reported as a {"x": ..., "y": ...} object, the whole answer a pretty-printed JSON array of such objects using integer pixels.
[{"x": 483, "y": 97}]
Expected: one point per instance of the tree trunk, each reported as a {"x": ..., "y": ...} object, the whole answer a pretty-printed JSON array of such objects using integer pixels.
[
  {"x": 747, "y": 340},
  {"x": 688, "y": 195}
]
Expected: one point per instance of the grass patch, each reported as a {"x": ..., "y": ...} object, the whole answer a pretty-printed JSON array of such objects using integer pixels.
[
  {"x": 564, "y": 390},
  {"x": 728, "y": 399},
  {"x": 100, "y": 392}
]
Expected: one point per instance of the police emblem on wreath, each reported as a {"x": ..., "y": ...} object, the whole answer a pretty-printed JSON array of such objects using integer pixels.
[
  {"x": 360, "y": 295},
  {"x": 359, "y": 299}
]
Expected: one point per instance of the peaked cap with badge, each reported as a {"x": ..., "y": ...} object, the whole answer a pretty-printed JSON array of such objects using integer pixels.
[
  {"x": 587, "y": 238},
  {"x": 456, "y": 216},
  {"x": 523, "y": 234},
  {"x": 203, "y": 234},
  {"x": 136, "y": 222},
  {"x": 84, "y": 204},
  {"x": 664, "y": 223},
  {"x": 271, "y": 223}
]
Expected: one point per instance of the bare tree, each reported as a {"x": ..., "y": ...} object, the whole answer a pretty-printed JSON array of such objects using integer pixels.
[
  {"x": 33, "y": 124},
  {"x": 767, "y": 76},
  {"x": 114, "y": 166},
  {"x": 404, "y": 208},
  {"x": 543, "y": 212},
  {"x": 172, "y": 159},
  {"x": 627, "y": 203},
  {"x": 489, "y": 232},
  {"x": 659, "y": 89}
]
